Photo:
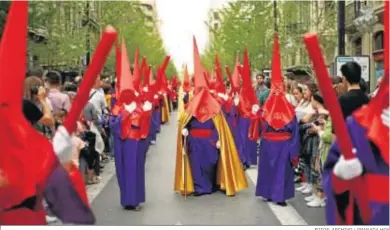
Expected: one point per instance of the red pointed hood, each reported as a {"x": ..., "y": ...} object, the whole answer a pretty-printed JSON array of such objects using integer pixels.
[
  {"x": 220, "y": 85},
  {"x": 199, "y": 70},
  {"x": 148, "y": 76},
  {"x": 186, "y": 81},
  {"x": 369, "y": 116},
  {"x": 16, "y": 169},
  {"x": 277, "y": 111},
  {"x": 136, "y": 71},
  {"x": 203, "y": 105},
  {"x": 126, "y": 87},
  {"x": 117, "y": 67},
  {"x": 143, "y": 69},
  {"x": 235, "y": 81},
  {"x": 247, "y": 94}
]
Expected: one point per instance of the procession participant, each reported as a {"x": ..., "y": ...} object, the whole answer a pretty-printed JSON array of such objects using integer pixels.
[
  {"x": 356, "y": 172},
  {"x": 185, "y": 93},
  {"x": 162, "y": 91},
  {"x": 248, "y": 120},
  {"x": 150, "y": 96},
  {"x": 130, "y": 123},
  {"x": 234, "y": 81},
  {"x": 173, "y": 92},
  {"x": 209, "y": 160},
  {"x": 280, "y": 141},
  {"x": 22, "y": 191}
]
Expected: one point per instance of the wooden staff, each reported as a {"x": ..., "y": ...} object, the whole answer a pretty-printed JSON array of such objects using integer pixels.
[{"x": 184, "y": 167}]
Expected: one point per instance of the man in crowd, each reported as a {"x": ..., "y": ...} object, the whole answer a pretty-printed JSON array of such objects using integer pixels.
[
  {"x": 260, "y": 86},
  {"x": 355, "y": 97},
  {"x": 58, "y": 99}
]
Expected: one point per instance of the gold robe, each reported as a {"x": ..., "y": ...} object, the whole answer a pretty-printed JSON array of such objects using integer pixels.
[
  {"x": 165, "y": 110},
  {"x": 230, "y": 174}
]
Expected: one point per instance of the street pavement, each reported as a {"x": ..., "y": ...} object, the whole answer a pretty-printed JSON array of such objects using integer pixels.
[{"x": 165, "y": 207}]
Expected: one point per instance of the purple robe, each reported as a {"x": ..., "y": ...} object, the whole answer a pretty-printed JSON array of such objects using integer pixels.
[
  {"x": 63, "y": 200},
  {"x": 247, "y": 148},
  {"x": 130, "y": 166},
  {"x": 203, "y": 157},
  {"x": 154, "y": 125},
  {"x": 372, "y": 163},
  {"x": 275, "y": 178}
]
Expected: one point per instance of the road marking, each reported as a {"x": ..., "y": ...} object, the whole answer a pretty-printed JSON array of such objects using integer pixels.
[
  {"x": 178, "y": 223},
  {"x": 286, "y": 215},
  {"x": 94, "y": 190}
]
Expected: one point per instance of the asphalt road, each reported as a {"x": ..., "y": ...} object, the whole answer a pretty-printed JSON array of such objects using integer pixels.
[{"x": 164, "y": 207}]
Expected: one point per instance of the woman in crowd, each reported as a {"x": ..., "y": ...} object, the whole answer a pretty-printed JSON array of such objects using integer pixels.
[
  {"x": 317, "y": 198},
  {"x": 309, "y": 140},
  {"x": 289, "y": 94},
  {"x": 35, "y": 106}
]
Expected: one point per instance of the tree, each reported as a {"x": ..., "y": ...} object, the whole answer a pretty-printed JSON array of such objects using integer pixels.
[
  {"x": 138, "y": 30},
  {"x": 4, "y": 6},
  {"x": 251, "y": 23}
]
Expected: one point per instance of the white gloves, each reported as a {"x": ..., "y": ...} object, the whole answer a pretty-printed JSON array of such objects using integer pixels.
[
  {"x": 131, "y": 107},
  {"x": 183, "y": 95},
  {"x": 136, "y": 93},
  {"x": 348, "y": 169},
  {"x": 159, "y": 92},
  {"x": 385, "y": 117},
  {"x": 145, "y": 89},
  {"x": 225, "y": 97},
  {"x": 236, "y": 101},
  {"x": 218, "y": 145},
  {"x": 184, "y": 132},
  {"x": 255, "y": 109},
  {"x": 63, "y": 145},
  {"x": 147, "y": 106},
  {"x": 155, "y": 96}
]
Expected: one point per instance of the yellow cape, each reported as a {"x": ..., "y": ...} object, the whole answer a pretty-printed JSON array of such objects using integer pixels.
[
  {"x": 230, "y": 176},
  {"x": 165, "y": 110}
]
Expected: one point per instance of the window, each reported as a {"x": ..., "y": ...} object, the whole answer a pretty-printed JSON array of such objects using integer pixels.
[
  {"x": 358, "y": 46},
  {"x": 378, "y": 40}
]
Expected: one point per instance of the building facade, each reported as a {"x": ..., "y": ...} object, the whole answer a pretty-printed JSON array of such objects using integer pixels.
[{"x": 366, "y": 38}]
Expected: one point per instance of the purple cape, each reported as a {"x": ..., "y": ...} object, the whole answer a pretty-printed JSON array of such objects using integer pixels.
[
  {"x": 64, "y": 202},
  {"x": 246, "y": 148},
  {"x": 130, "y": 166},
  {"x": 203, "y": 157},
  {"x": 372, "y": 163},
  {"x": 275, "y": 178}
]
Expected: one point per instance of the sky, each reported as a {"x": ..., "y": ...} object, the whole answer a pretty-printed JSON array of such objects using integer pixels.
[{"x": 180, "y": 20}]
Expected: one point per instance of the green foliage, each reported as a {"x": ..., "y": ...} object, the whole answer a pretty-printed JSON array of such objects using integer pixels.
[
  {"x": 251, "y": 24},
  {"x": 4, "y": 6},
  {"x": 68, "y": 30},
  {"x": 138, "y": 31}
]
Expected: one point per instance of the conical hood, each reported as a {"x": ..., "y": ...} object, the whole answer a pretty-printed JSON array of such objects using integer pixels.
[
  {"x": 136, "y": 71},
  {"x": 218, "y": 71},
  {"x": 117, "y": 68},
  {"x": 143, "y": 69},
  {"x": 277, "y": 111},
  {"x": 236, "y": 76},
  {"x": 13, "y": 52},
  {"x": 126, "y": 80},
  {"x": 186, "y": 81},
  {"x": 199, "y": 71}
]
